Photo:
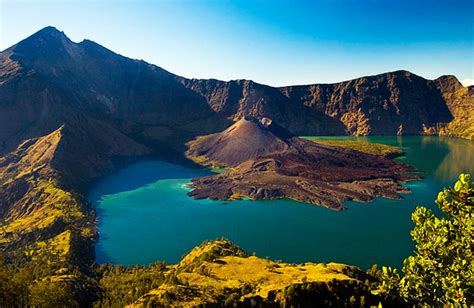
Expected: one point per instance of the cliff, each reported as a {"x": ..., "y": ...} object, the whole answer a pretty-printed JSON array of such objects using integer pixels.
[
  {"x": 72, "y": 112},
  {"x": 460, "y": 101},
  {"x": 98, "y": 108},
  {"x": 395, "y": 103}
]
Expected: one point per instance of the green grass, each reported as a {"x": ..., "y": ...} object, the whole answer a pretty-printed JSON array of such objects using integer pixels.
[
  {"x": 366, "y": 147},
  {"x": 215, "y": 270}
]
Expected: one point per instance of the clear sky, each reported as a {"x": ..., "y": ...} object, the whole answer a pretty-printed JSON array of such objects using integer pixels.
[{"x": 271, "y": 42}]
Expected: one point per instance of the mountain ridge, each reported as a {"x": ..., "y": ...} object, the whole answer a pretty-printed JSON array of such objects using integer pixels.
[
  {"x": 73, "y": 112},
  {"x": 53, "y": 32},
  {"x": 122, "y": 109},
  {"x": 377, "y": 104}
]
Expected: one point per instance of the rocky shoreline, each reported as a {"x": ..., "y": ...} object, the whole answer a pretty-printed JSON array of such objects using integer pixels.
[{"x": 291, "y": 167}]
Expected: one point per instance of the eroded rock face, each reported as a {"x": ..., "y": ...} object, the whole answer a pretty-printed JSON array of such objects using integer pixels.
[
  {"x": 460, "y": 101},
  {"x": 395, "y": 103},
  {"x": 111, "y": 108},
  {"x": 300, "y": 169},
  {"x": 239, "y": 98}
]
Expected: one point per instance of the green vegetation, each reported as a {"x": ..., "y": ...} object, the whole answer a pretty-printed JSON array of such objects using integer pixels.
[
  {"x": 366, "y": 147},
  {"x": 441, "y": 271},
  {"x": 42, "y": 216},
  {"x": 220, "y": 272},
  {"x": 462, "y": 105},
  {"x": 51, "y": 206},
  {"x": 205, "y": 162},
  {"x": 122, "y": 285},
  {"x": 43, "y": 281}
]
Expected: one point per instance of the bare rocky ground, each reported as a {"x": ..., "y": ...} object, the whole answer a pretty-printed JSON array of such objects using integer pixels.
[{"x": 267, "y": 162}]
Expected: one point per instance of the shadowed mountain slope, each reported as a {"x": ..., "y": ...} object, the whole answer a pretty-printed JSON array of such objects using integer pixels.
[
  {"x": 109, "y": 108},
  {"x": 46, "y": 76},
  {"x": 71, "y": 112}
]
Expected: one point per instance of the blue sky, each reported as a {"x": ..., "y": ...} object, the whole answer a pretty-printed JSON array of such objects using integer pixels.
[{"x": 272, "y": 42}]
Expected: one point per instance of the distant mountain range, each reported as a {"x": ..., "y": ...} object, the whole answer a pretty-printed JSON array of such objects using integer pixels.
[
  {"x": 71, "y": 111},
  {"x": 47, "y": 81}
]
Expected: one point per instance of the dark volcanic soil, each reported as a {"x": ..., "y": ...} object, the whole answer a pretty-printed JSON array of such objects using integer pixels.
[
  {"x": 270, "y": 163},
  {"x": 246, "y": 139}
]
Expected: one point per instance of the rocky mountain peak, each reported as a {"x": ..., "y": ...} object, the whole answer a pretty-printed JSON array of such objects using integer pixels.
[
  {"x": 45, "y": 38},
  {"x": 448, "y": 83},
  {"x": 50, "y": 31},
  {"x": 45, "y": 48}
]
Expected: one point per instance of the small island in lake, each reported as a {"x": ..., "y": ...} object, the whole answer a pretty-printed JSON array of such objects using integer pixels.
[
  {"x": 97, "y": 152},
  {"x": 266, "y": 161}
]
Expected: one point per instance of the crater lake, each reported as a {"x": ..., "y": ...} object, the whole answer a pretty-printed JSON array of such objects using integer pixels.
[{"x": 146, "y": 216}]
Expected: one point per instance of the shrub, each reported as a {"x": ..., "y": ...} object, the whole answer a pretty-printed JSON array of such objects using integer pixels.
[{"x": 440, "y": 273}]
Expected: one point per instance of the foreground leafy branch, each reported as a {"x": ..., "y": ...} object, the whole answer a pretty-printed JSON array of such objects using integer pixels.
[{"x": 441, "y": 271}]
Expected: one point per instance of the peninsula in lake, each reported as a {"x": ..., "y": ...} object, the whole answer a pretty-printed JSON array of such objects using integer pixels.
[
  {"x": 268, "y": 162},
  {"x": 72, "y": 113}
]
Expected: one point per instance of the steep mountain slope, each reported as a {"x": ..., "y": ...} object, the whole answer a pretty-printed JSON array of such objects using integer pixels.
[
  {"x": 34, "y": 204},
  {"x": 239, "y": 98},
  {"x": 71, "y": 112},
  {"x": 47, "y": 75},
  {"x": 41, "y": 181},
  {"x": 460, "y": 101},
  {"x": 396, "y": 103}
]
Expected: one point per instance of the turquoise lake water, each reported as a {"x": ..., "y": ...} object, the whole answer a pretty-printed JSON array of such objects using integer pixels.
[{"x": 146, "y": 216}]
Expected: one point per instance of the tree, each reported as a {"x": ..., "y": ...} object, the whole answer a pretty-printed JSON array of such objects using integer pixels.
[
  {"x": 45, "y": 293},
  {"x": 441, "y": 271}
]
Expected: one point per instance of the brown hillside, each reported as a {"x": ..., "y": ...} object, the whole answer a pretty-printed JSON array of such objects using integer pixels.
[
  {"x": 269, "y": 165},
  {"x": 218, "y": 273},
  {"x": 247, "y": 139}
]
